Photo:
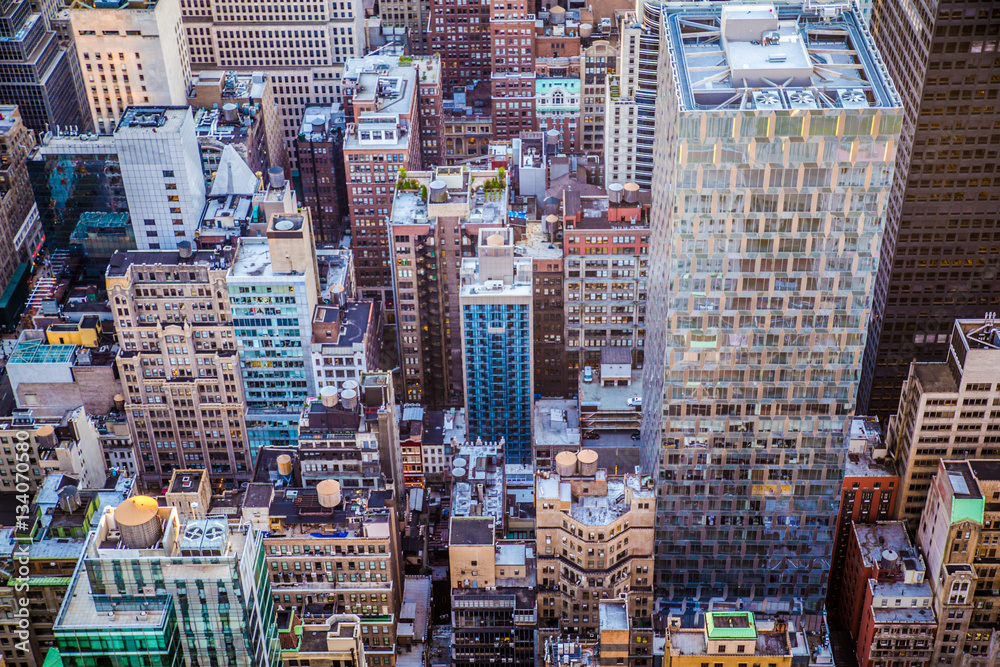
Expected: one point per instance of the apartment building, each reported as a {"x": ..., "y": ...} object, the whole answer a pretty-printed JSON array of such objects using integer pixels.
[
  {"x": 940, "y": 231},
  {"x": 434, "y": 224},
  {"x": 730, "y": 639},
  {"x": 548, "y": 309},
  {"x": 319, "y": 149},
  {"x": 630, "y": 100},
  {"x": 468, "y": 125},
  {"x": 273, "y": 288},
  {"x": 945, "y": 413},
  {"x": 599, "y": 60},
  {"x": 161, "y": 168},
  {"x": 766, "y": 407},
  {"x": 346, "y": 342},
  {"x": 351, "y": 436},
  {"x": 300, "y": 48},
  {"x": 411, "y": 16},
  {"x": 594, "y": 542},
  {"x": 606, "y": 244},
  {"x": 887, "y": 600},
  {"x": 320, "y": 642},
  {"x": 152, "y": 589},
  {"x": 130, "y": 53},
  {"x": 335, "y": 548},
  {"x": 497, "y": 346},
  {"x": 21, "y": 233},
  {"x": 381, "y": 145},
  {"x": 41, "y": 77},
  {"x": 179, "y": 364},
  {"x": 431, "y": 110},
  {"x": 959, "y": 533},
  {"x": 512, "y": 72},
  {"x": 867, "y": 494},
  {"x": 459, "y": 32}
]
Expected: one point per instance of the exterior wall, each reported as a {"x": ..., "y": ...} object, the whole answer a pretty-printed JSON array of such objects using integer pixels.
[
  {"x": 941, "y": 420},
  {"x": 179, "y": 358},
  {"x": 146, "y": 45},
  {"x": 459, "y": 32},
  {"x": 598, "y": 62},
  {"x": 551, "y": 378},
  {"x": 162, "y": 172},
  {"x": 19, "y": 219},
  {"x": 512, "y": 36}
]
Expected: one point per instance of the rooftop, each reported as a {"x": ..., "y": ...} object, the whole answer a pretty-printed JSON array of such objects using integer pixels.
[
  {"x": 471, "y": 531},
  {"x": 730, "y": 625},
  {"x": 904, "y": 616},
  {"x": 8, "y": 117},
  {"x": 935, "y": 377},
  {"x": 323, "y": 123},
  {"x": 122, "y": 262},
  {"x": 595, "y": 510},
  {"x": 613, "y": 616},
  {"x": 478, "y": 465},
  {"x": 963, "y": 481},
  {"x": 39, "y": 352},
  {"x": 354, "y": 320},
  {"x": 780, "y": 55},
  {"x": 595, "y": 396},
  {"x": 143, "y": 120},
  {"x": 556, "y": 423}
]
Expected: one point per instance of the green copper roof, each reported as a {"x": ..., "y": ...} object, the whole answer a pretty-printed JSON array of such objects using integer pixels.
[
  {"x": 730, "y": 625},
  {"x": 971, "y": 509},
  {"x": 53, "y": 658}
]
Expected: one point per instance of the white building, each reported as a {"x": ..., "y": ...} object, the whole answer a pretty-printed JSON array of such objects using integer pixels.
[
  {"x": 130, "y": 53},
  {"x": 161, "y": 169}
]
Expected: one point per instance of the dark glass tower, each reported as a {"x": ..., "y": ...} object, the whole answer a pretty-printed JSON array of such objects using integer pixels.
[
  {"x": 37, "y": 73},
  {"x": 941, "y": 252}
]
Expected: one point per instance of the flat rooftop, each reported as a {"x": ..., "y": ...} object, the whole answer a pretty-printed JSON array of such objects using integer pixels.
[
  {"x": 594, "y": 396},
  {"x": 354, "y": 317},
  {"x": 935, "y": 377},
  {"x": 613, "y": 616},
  {"x": 122, "y": 262},
  {"x": 963, "y": 482},
  {"x": 471, "y": 531},
  {"x": 144, "y": 120},
  {"x": 779, "y": 55},
  {"x": 556, "y": 423}
]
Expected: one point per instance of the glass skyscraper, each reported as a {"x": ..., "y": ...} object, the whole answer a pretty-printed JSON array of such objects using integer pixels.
[
  {"x": 776, "y": 132},
  {"x": 497, "y": 350}
]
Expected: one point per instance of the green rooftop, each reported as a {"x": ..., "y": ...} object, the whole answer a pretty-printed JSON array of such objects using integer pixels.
[
  {"x": 39, "y": 352},
  {"x": 730, "y": 625}
]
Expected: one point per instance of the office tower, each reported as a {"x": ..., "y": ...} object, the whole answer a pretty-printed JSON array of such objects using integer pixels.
[
  {"x": 178, "y": 364},
  {"x": 130, "y": 54},
  {"x": 938, "y": 260},
  {"x": 497, "y": 343},
  {"x": 300, "y": 47},
  {"x": 431, "y": 106},
  {"x": 383, "y": 139},
  {"x": 238, "y": 110},
  {"x": 334, "y": 548},
  {"x": 40, "y": 75},
  {"x": 434, "y": 222},
  {"x": 599, "y": 61},
  {"x": 548, "y": 310},
  {"x": 944, "y": 413},
  {"x": 767, "y": 218},
  {"x": 459, "y": 31},
  {"x": 512, "y": 72},
  {"x": 959, "y": 532},
  {"x": 20, "y": 229},
  {"x": 273, "y": 290},
  {"x": 161, "y": 169},
  {"x": 630, "y": 100},
  {"x": 606, "y": 242},
  {"x": 867, "y": 494},
  {"x": 319, "y": 150},
  {"x": 73, "y": 174},
  {"x": 150, "y": 589},
  {"x": 66, "y": 443},
  {"x": 50, "y": 543},
  {"x": 603, "y": 525}
]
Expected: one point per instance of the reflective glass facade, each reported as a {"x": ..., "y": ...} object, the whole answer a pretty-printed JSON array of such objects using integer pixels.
[{"x": 768, "y": 205}]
